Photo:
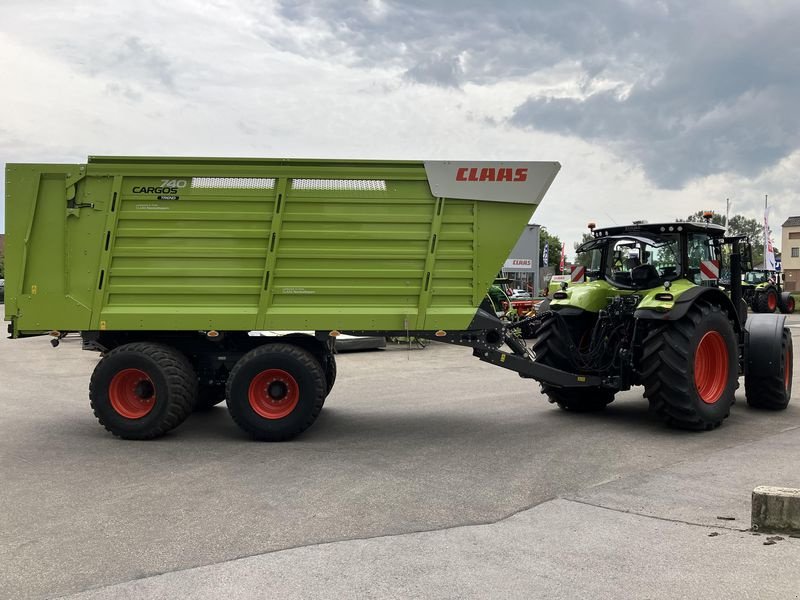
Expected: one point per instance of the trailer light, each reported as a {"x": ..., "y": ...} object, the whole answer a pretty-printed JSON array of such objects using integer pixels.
[
  {"x": 335, "y": 333},
  {"x": 560, "y": 295},
  {"x": 664, "y": 297},
  {"x": 55, "y": 333},
  {"x": 212, "y": 334},
  {"x": 440, "y": 333}
]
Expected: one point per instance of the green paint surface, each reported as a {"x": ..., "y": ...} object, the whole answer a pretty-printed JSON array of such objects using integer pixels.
[{"x": 258, "y": 244}]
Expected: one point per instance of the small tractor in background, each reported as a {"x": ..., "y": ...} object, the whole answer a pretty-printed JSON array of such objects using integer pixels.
[
  {"x": 763, "y": 292},
  {"x": 652, "y": 313}
]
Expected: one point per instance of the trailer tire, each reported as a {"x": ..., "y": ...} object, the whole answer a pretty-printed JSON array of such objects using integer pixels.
[
  {"x": 690, "y": 368},
  {"x": 142, "y": 390},
  {"x": 766, "y": 302},
  {"x": 276, "y": 391},
  {"x": 550, "y": 350},
  {"x": 772, "y": 389}
]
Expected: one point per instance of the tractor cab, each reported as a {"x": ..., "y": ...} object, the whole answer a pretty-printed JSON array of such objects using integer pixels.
[{"x": 645, "y": 256}]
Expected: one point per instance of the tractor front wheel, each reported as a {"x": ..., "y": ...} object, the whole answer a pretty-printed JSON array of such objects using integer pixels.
[
  {"x": 690, "y": 368},
  {"x": 787, "y": 303},
  {"x": 768, "y": 383}
]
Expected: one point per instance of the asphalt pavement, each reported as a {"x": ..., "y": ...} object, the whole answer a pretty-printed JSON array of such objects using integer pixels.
[{"x": 428, "y": 474}]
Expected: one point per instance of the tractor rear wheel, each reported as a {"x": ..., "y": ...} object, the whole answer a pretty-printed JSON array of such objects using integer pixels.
[
  {"x": 551, "y": 350},
  {"x": 690, "y": 368},
  {"x": 766, "y": 302},
  {"x": 771, "y": 388},
  {"x": 141, "y": 390}
]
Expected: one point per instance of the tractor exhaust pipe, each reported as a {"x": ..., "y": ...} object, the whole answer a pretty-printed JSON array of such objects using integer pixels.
[{"x": 736, "y": 279}]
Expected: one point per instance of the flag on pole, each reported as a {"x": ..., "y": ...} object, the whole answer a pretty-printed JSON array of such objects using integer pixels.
[
  {"x": 561, "y": 264},
  {"x": 545, "y": 254},
  {"x": 769, "y": 254}
]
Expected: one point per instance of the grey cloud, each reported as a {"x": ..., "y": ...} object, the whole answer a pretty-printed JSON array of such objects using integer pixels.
[
  {"x": 143, "y": 60},
  {"x": 706, "y": 87},
  {"x": 125, "y": 91},
  {"x": 436, "y": 70}
]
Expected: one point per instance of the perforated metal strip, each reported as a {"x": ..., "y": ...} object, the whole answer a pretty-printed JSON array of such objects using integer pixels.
[
  {"x": 233, "y": 183},
  {"x": 344, "y": 185}
]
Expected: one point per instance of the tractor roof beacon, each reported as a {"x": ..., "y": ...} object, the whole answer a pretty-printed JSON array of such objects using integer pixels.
[{"x": 652, "y": 313}]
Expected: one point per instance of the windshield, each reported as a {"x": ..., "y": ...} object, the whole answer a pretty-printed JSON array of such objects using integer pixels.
[
  {"x": 755, "y": 277},
  {"x": 642, "y": 263}
]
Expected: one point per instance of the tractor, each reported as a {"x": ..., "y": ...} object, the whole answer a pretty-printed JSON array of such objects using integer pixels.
[
  {"x": 763, "y": 292},
  {"x": 652, "y": 313}
]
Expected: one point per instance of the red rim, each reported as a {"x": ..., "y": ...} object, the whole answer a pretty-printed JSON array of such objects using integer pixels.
[
  {"x": 273, "y": 394},
  {"x": 790, "y": 305},
  {"x": 711, "y": 367},
  {"x": 132, "y": 393},
  {"x": 772, "y": 301}
]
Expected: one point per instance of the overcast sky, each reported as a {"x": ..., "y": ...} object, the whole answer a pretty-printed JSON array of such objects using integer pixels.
[{"x": 655, "y": 109}]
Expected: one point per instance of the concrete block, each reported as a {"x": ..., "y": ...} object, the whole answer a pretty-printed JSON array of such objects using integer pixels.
[{"x": 776, "y": 509}]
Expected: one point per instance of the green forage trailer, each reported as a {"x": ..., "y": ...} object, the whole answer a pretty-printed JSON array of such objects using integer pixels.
[{"x": 165, "y": 266}]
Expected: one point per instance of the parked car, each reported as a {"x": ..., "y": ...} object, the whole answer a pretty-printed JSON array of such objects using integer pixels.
[{"x": 520, "y": 295}]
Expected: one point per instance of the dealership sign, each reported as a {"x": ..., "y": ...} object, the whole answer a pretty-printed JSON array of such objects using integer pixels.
[{"x": 518, "y": 264}]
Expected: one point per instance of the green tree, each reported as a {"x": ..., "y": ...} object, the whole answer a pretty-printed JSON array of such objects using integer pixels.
[
  {"x": 584, "y": 259},
  {"x": 554, "y": 251}
]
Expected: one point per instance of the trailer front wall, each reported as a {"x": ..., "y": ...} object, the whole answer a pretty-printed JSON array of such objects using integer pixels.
[{"x": 239, "y": 245}]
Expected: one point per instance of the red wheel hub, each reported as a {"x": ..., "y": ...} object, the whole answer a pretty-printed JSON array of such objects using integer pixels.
[
  {"x": 711, "y": 367},
  {"x": 273, "y": 394},
  {"x": 132, "y": 393},
  {"x": 772, "y": 301}
]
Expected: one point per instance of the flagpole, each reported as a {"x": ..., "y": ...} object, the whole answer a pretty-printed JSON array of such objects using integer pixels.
[
  {"x": 727, "y": 210},
  {"x": 766, "y": 231}
]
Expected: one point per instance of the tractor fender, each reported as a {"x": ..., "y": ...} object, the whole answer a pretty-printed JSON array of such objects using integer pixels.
[
  {"x": 689, "y": 297},
  {"x": 763, "y": 352}
]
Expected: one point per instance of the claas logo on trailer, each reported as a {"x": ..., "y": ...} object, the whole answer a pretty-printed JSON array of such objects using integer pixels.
[{"x": 491, "y": 174}]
